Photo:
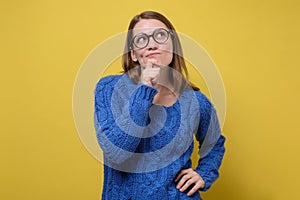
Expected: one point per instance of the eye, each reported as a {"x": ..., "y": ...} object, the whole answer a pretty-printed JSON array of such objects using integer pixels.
[
  {"x": 161, "y": 35},
  {"x": 140, "y": 39}
]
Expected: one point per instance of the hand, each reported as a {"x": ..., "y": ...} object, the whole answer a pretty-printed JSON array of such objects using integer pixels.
[
  {"x": 188, "y": 177},
  {"x": 150, "y": 73}
]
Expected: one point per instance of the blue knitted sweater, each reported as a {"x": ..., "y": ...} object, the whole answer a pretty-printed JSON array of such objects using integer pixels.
[{"x": 146, "y": 145}]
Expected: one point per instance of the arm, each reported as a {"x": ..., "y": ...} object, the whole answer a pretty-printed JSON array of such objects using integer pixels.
[
  {"x": 211, "y": 151},
  {"x": 114, "y": 121},
  {"x": 211, "y": 143}
]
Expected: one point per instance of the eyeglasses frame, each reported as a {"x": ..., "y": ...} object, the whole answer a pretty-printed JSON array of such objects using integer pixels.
[{"x": 170, "y": 32}]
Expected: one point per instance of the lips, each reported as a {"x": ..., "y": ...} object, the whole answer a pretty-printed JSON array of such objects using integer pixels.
[{"x": 152, "y": 55}]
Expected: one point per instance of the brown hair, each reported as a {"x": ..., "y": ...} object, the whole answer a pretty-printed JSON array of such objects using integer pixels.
[{"x": 177, "y": 63}]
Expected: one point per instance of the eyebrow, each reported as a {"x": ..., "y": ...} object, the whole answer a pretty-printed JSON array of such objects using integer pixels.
[{"x": 148, "y": 33}]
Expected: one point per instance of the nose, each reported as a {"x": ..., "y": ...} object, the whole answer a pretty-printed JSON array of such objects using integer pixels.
[{"x": 152, "y": 44}]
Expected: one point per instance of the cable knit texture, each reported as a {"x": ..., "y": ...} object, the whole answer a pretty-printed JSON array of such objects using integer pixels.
[{"x": 146, "y": 145}]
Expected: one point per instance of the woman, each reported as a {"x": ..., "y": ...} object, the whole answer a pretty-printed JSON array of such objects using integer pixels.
[{"x": 146, "y": 117}]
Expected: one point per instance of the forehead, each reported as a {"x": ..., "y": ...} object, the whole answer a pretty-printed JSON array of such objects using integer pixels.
[{"x": 148, "y": 26}]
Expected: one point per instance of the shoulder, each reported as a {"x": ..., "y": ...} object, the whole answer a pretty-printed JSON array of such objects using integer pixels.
[
  {"x": 106, "y": 82},
  {"x": 208, "y": 116},
  {"x": 204, "y": 103}
]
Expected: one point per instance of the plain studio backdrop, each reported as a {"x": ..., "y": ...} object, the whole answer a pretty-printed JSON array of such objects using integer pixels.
[{"x": 254, "y": 44}]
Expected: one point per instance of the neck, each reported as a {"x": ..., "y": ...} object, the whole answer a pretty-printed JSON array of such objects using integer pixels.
[{"x": 162, "y": 90}]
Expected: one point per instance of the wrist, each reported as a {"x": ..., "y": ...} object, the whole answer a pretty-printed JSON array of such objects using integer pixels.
[{"x": 148, "y": 83}]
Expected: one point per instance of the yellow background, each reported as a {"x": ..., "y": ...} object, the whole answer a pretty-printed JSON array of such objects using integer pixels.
[{"x": 255, "y": 45}]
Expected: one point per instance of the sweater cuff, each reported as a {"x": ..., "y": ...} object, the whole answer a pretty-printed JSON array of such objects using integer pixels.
[
  {"x": 208, "y": 181},
  {"x": 145, "y": 92},
  {"x": 140, "y": 104}
]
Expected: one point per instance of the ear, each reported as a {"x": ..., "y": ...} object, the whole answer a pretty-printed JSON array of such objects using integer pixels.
[{"x": 133, "y": 56}]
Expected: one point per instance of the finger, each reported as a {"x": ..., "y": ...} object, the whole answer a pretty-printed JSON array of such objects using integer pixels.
[
  {"x": 154, "y": 73},
  {"x": 180, "y": 174},
  {"x": 188, "y": 184},
  {"x": 152, "y": 60},
  {"x": 177, "y": 178},
  {"x": 146, "y": 66},
  {"x": 151, "y": 72},
  {"x": 156, "y": 78},
  {"x": 153, "y": 81},
  {"x": 183, "y": 180},
  {"x": 195, "y": 188}
]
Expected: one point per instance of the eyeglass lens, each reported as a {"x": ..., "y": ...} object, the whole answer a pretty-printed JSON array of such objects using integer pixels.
[{"x": 159, "y": 35}]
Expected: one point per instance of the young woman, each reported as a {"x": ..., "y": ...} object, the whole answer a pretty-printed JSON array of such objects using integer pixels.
[{"x": 145, "y": 119}]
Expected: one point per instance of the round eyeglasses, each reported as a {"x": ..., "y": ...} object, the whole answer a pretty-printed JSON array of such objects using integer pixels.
[{"x": 160, "y": 36}]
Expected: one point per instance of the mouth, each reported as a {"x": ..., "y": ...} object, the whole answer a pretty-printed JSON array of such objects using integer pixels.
[{"x": 152, "y": 55}]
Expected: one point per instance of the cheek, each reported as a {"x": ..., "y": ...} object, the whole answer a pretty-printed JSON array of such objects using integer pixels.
[
  {"x": 140, "y": 52},
  {"x": 168, "y": 54},
  {"x": 167, "y": 58},
  {"x": 139, "y": 55}
]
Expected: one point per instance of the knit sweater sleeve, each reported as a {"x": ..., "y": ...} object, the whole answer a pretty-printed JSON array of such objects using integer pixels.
[
  {"x": 119, "y": 127},
  {"x": 211, "y": 143}
]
